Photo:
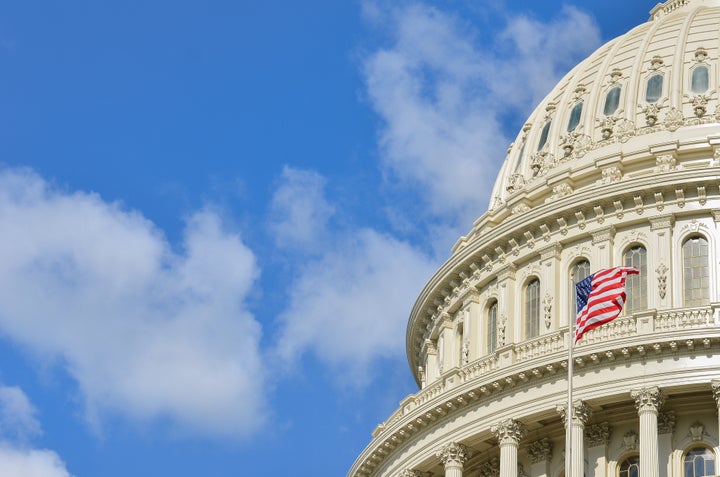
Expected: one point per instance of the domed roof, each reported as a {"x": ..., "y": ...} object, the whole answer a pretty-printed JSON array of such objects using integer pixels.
[{"x": 659, "y": 76}]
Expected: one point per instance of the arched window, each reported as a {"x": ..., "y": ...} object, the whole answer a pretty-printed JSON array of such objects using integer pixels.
[
  {"x": 636, "y": 285},
  {"x": 612, "y": 101},
  {"x": 699, "y": 81},
  {"x": 580, "y": 271},
  {"x": 575, "y": 117},
  {"x": 654, "y": 88},
  {"x": 492, "y": 326},
  {"x": 520, "y": 158},
  {"x": 532, "y": 309},
  {"x": 699, "y": 462},
  {"x": 544, "y": 135},
  {"x": 696, "y": 271},
  {"x": 630, "y": 467}
]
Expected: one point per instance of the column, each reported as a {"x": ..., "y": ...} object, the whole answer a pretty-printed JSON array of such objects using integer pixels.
[
  {"x": 666, "y": 426},
  {"x": 581, "y": 414},
  {"x": 648, "y": 401},
  {"x": 715, "y": 383},
  {"x": 508, "y": 433},
  {"x": 597, "y": 437},
  {"x": 540, "y": 453},
  {"x": 453, "y": 457}
]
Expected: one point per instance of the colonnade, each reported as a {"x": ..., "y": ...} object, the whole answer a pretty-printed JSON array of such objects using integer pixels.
[{"x": 655, "y": 429}]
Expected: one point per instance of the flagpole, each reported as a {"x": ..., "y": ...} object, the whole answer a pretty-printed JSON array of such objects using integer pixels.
[{"x": 569, "y": 413}]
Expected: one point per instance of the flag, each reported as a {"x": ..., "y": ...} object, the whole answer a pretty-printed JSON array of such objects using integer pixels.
[{"x": 600, "y": 298}]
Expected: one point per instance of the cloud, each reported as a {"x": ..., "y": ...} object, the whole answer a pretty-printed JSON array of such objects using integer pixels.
[
  {"x": 17, "y": 415},
  {"x": 299, "y": 212},
  {"x": 350, "y": 306},
  {"x": 443, "y": 99},
  {"x": 146, "y": 331},
  {"x": 30, "y": 462}
]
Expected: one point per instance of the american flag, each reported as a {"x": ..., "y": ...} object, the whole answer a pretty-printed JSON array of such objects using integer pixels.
[{"x": 600, "y": 298}]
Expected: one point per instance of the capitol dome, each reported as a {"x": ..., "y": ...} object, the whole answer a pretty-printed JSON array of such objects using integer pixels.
[{"x": 618, "y": 165}]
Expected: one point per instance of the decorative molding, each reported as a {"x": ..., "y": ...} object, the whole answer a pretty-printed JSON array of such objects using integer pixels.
[
  {"x": 581, "y": 412},
  {"x": 665, "y": 162},
  {"x": 509, "y": 431},
  {"x": 715, "y": 386},
  {"x": 490, "y": 468},
  {"x": 697, "y": 431},
  {"x": 603, "y": 235},
  {"x": 648, "y": 399},
  {"x": 611, "y": 174},
  {"x": 666, "y": 422},
  {"x": 414, "y": 473},
  {"x": 540, "y": 451},
  {"x": 598, "y": 434},
  {"x": 561, "y": 190},
  {"x": 547, "y": 308},
  {"x": 661, "y": 271},
  {"x": 673, "y": 119},
  {"x": 630, "y": 440},
  {"x": 453, "y": 454}
]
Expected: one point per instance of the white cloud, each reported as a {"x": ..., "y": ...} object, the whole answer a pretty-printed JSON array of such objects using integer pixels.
[
  {"x": 350, "y": 307},
  {"x": 299, "y": 212},
  {"x": 17, "y": 414},
  {"x": 16, "y": 462},
  {"x": 442, "y": 98},
  {"x": 146, "y": 331}
]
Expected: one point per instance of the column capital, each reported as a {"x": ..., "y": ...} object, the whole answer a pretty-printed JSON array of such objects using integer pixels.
[
  {"x": 453, "y": 454},
  {"x": 540, "y": 451},
  {"x": 509, "y": 431},
  {"x": 715, "y": 384},
  {"x": 648, "y": 399},
  {"x": 598, "y": 434},
  {"x": 581, "y": 412},
  {"x": 666, "y": 422}
]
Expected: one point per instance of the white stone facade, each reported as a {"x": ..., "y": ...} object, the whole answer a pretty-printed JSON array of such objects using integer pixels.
[{"x": 634, "y": 178}]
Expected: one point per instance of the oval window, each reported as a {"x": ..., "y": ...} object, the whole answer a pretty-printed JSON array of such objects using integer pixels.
[
  {"x": 612, "y": 101},
  {"x": 544, "y": 135},
  {"x": 654, "y": 88},
  {"x": 575, "y": 117}
]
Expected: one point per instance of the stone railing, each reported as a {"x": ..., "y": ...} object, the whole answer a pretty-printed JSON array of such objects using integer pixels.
[
  {"x": 618, "y": 328},
  {"x": 687, "y": 318},
  {"x": 479, "y": 367},
  {"x": 541, "y": 346},
  {"x": 670, "y": 6}
]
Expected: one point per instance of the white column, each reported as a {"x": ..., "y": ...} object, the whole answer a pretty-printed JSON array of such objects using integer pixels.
[
  {"x": 581, "y": 414},
  {"x": 597, "y": 437},
  {"x": 540, "y": 453},
  {"x": 648, "y": 401},
  {"x": 453, "y": 457},
  {"x": 509, "y": 433}
]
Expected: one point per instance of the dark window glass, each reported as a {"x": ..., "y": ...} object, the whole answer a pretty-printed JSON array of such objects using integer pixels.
[
  {"x": 532, "y": 309},
  {"x": 699, "y": 462},
  {"x": 492, "y": 327},
  {"x": 544, "y": 135},
  {"x": 612, "y": 101},
  {"x": 654, "y": 88},
  {"x": 699, "y": 82},
  {"x": 575, "y": 117},
  {"x": 630, "y": 467},
  {"x": 636, "y": 285},
  {"x": 696, "y": 272}
]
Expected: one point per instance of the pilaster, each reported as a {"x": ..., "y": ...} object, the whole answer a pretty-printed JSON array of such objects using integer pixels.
[{"x": 659, "y": 280}]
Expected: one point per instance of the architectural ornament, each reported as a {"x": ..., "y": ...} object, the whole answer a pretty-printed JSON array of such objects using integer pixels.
[
  {"x": 465, "y": 352},
  {"x": 490, "y": 468},
  {"x": 611, "y": 174},
  {"x": 509, "y": 431},
  {"x": 561, "y": 190},
  {"x": 501, "y": 331},
  {"x": 647, "y": 399},
  {"x": 697, "y": 431},
  {"x": 630, "y": 440},
  {"x": 454, "y": 454},
  {"x": 607, "y": 125},
  {"x": 673, "y": 119},
  {"x": 547, "y": 308},
  {"x": 661, "y": 271},
  {"x": 651, "y": 112},
  {"x": 665, "y": 162},
  {"x": 624, "y": 129},
  {"x": 581, "y": 412},
  {"x": 666, "y": 422},
  {"x": 540, "y": 451},
  {"x": 516, "y": 183},
  {"x": 598, "y": 434},
  {"x": 415, "y": 473},
  {"x": 701, "y": 54},
  {"x": 521, "y": 208},
  {"x": 715, "y": 385}
]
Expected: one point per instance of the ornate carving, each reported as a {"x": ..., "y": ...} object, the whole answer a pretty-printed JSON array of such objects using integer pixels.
[
  {"x": 454, "y": 454},
  {"x": 603, "y": 235},
  {"x": 715, "y": 385},
  {"x": 701, "y": 54},
  {"x": 697, "y": 431},
  {"x": 647, "y": 399},
  {"x": 521, "y": 208},
  {"x": 575, "y": 144},
  {"x": 561, "y": 190},
  {"x": 700, "y": 102},
  {"x": 516, "y": 183},
  {"x": 651, "y": 112},
  {"x": 547, "y": 308},
  {"x": 607, "y": 125},
  {"x": 666, "y": 422},
  {"x": 598, "y": 434},
  {"x": 656, "y": 62},
  {"x": 581, "y": 412},
  {"x": 611, "y": 174},
  {"x": 509, "y": 431},
  {"x": 630, "y": 440},
  {"x": 665, "y": 162},
  {"x": 661, "y": 271},
  {"x": 465, "y": 352},
  {"x": 540, "y": 451},
  {"x": 501, "y": 331},
  {"x": 414, "y": 473},
  {"x": 624, "y": 129},
  {"x": 490, "y": 468},
  {"x": 673, "y": 119}
]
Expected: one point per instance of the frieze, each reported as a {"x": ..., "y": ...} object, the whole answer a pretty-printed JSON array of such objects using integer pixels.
[
  {"x": 666, "y": 422},
  {"x": 604, "y": 235},
  {"x": 540, "y": 451},
  {"x": 490, "y": 468},
  {"x": 665, "y": 162},
  {"x": 414, "y": 473},
  {"x": 611, "y": 174}
]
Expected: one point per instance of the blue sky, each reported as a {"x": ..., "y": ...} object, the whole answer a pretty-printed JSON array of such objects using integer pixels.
[{"x": 215, "y": 216}]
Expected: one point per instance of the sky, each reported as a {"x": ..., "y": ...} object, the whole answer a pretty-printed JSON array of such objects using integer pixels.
[{"x": 215, "y": 216}]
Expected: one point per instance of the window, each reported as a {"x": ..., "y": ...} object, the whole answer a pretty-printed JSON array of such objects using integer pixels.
[
  {"x": 532, "y": 309},
  {"x": 699, "y": 462},
  {"x": 579, "y": 272},
  {"x": 699, "y": 81},
  {"x": 630, "y": 467},
  {"x": 575, "y": 117},
  {"x": 544, "y": 135},
  {"x": 636, "y": 285},
  {"x": 492, "y": 327},
  {"x": 612, "y": 101},
  {"x": 696, "y": 272},
  {"x": 654, "y": 88},
  {"x": 520, "y": 158}
]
